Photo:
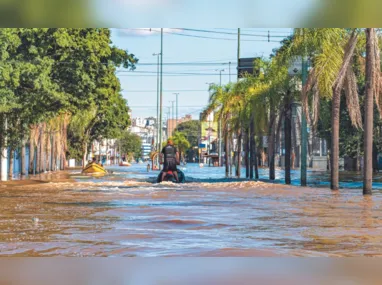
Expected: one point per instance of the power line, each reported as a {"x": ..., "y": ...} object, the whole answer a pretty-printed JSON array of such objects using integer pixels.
[
  {"x": 206, "y": 37},
  {"x": 231, "y": 33},
  {"x": 257, "y": 31}
]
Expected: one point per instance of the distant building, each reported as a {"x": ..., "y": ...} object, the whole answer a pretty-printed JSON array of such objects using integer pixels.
[
  {"x": 138, "y": 122},
  {"x": 172, "y": 123},
  {"x": 145, "y": 128},
  {"x": 146, "y": 149}
]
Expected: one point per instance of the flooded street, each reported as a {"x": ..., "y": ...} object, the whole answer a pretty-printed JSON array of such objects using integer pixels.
[{"x": 125, "y": 214}]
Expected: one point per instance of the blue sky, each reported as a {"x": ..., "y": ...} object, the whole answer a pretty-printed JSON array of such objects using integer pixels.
[{"x": 140, "y": 86}]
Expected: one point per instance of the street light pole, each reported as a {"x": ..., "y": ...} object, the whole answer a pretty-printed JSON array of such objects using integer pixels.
[
  {"x": 168, "y": 121},
  {"x": 220, "y": 127},
  {"x": 161, "y": 89},
  {"x": 157, "y": 119},
  {"x": 176, "y": 123},
  {"x": 229, "y": 72}
]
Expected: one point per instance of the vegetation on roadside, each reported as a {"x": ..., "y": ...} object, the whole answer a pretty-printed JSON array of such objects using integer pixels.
[
  {"x": 345, "y": 63},
  {"x": 59, "y": 92}
]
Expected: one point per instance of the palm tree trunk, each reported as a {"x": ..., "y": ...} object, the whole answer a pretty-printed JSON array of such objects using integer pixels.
[
  {"x": 31, "y": 155},
  {"x": 246, "y": 152},
  {"x": 251, "y": 148},
  {"x": 52, "y": 154},
  {"x": 11, "y": 159},
  {"x": 288, "y": 139},
  {"x": 38, "y": 155},
  {"x": 238, "y": 168},
  {"x": 226, "y": 150},
  {"x": 23, "y": 160},
  {"x": 369, "y": 110},
  {"x": 271, "y": 144},
  {"x": 47, "y": 153},
  {"x": 42, "y": 150},
  {"x": 336, "y": 102},
  {"x": 334, "y": 157}
]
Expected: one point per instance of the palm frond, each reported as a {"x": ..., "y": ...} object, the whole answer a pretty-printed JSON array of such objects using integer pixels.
[{"x": 352, "y": 99}]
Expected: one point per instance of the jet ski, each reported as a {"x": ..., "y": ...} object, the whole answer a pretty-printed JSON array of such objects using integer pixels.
[{"x": 171, "y": 178}]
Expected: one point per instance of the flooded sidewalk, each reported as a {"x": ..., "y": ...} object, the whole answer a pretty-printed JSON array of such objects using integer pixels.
[{"x": 127, "y": 215}]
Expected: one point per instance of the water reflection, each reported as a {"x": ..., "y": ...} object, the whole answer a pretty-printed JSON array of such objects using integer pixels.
[{"x": 125, "y": 214}]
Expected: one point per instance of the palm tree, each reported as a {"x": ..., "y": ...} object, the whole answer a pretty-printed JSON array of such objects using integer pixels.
[
  {"x": 373, "y": 89},
  {"x": 220, "y": 102},
  {"x": 331, "y": 51}
]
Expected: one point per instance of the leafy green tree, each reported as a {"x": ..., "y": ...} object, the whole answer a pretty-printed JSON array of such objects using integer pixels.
[
  {"x": 191, "y": 130},
  {"x": 130, "y": 144},
  {"x": 181, "y": 142}
]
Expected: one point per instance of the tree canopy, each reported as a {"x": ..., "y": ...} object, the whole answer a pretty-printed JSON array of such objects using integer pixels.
[
  {"x": 191, "y": 130},
  {"x": 48, "y": 72}
]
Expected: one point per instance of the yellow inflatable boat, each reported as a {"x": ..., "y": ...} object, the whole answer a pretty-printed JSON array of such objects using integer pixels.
[{"x": 94, "y": 168}]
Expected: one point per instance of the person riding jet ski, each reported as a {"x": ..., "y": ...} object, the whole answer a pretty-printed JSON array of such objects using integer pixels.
[{"x": 170, "y": 158}]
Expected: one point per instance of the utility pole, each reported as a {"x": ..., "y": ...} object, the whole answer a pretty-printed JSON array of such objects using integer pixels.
[
  {"x": 172, "y": 116},
  {"x": 237, "y": 79},
  {"x": 229, "y": 72},
  {"x": 238, "y": 52},
  {"x": 176, "y": 122},
  {"x": 168, "y": 121},
  {"x": 161, "y": 90},
  {"x": 157, "y": 119},
  {"x": 220, "y": 72},
  {"x": 220, "y": 127},
  {"x": 304, "y": 132},
  {"x": 157, "y": 122}
]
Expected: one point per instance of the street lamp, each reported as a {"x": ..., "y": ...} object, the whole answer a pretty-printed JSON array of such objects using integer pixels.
[
  {"x": 176, "y": 122},
  {"x": 157, "y": 122},
  {"x": 229, "y": 70},
  {"x": 220, "y": 124},
  {"x": 220, "y": 71}
]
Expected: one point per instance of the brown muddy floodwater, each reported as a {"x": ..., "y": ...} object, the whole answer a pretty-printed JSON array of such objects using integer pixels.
[{"x": 125, "y": 217}]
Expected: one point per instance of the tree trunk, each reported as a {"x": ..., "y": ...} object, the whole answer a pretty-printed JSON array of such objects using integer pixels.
[
  {"x": 38, "y": 155},
  {"x": 238, "y": 168},
  {"x": 334, "y": 157},
  {"x": 251, "y": 148},
  {"x": 85, "y": 152},
  {"x": 288, "y": 139},
  {"x": 23, "y": 160},
  {"x": 271, "y": 144},
  {"x": 375, "y": 158},
  {"x": 226, "y": 150},
  {"x": 42, "y": 149},
  {"x": 369, "y": 109},
  {"x": 11, "y": 159},
  {"x": 231, "y": 146},
  {"x": 52, "y": 154},
  {"x": 246, "y": 152},
  {"x": 47, "y": 153},
  {"x": 31, "y": 155}
]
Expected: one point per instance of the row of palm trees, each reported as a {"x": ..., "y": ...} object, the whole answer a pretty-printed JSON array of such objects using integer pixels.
[
  {"x": 47, "y": 147},
  {"x": 258, "y": 104}
]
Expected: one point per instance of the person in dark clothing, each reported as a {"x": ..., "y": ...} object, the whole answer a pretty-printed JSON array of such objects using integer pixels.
[{"x": 170, "y": 158}]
